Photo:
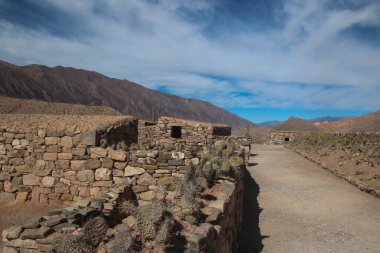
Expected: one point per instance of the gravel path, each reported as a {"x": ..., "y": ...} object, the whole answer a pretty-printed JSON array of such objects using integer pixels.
[{"x": 304, "y": 208}]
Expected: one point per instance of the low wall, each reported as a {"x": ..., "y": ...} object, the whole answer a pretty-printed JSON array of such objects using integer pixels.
[{"x": 220, "y": 233}]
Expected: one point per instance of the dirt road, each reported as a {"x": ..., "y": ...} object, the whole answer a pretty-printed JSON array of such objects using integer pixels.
[{"x": 296, "y": 206}]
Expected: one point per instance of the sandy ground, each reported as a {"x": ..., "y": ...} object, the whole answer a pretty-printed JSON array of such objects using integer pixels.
[
  {"x": 14, "y": 214},
  {"x": 304, "y": 208}
]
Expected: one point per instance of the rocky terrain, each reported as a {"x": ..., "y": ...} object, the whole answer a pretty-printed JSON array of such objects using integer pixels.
[
  {"x": 30, "y": 106},
  {"x": 367, "y": 123},
  {"x": 76, "y": 86},
  {"x": 352, "y": 156}
]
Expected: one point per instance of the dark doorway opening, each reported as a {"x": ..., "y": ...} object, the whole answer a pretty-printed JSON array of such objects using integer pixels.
[
  {"x": 286, "y": 138},
  {"x": 176, "y": 132}
]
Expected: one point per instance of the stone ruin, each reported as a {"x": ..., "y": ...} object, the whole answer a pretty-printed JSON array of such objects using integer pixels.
[
  {"x": 91, "y": 163},
  {"x": 282, "y": 137}
]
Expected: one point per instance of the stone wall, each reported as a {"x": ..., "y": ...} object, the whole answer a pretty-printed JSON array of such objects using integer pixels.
[
  {"x": 223, "y": 225},
  {"x": 56, "y": 165},
  {"x": 168, "y": 129},
  {"x": 282, "y": 137}
]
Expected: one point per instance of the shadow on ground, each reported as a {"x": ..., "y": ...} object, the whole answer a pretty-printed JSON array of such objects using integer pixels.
[{"x": 251, "y": 238}]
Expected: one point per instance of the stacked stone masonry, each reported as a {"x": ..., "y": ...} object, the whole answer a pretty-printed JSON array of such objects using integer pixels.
[{"x": 91, "y": 166}]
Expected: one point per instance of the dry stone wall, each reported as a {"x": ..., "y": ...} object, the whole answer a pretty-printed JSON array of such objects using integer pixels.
[{"x": 282, "y": 137}]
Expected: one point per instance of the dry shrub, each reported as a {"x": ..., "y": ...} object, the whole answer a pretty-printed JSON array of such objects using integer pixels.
[
  {"x": 124, "y": 242},
  {"x": 149, "y": 218}
]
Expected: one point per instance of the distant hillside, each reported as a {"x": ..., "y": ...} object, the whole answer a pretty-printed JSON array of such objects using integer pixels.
[
  {"x": 75, "y": 86},
  {"x": 329, "y": 119},
  {"x": 366, "y": 123},
  {"x": 296, "y": 124},
  {"x": 28, "y": 106},
  {"x": 269, "y": 123}
]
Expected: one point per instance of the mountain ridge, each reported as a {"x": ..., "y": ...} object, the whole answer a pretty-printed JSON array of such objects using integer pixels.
[{"x": 77, "y": 86}]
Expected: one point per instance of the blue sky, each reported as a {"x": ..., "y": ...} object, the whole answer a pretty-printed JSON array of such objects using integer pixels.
[{"x": 261, "y": 59}]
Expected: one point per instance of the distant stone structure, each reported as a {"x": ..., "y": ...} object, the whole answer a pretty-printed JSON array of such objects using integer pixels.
[
  {"x": 282, "y": 137},
  {"x": 92, "y": 162}
]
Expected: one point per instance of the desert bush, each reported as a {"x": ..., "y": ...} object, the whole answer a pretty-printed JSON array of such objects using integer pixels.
[
  {"x": 124, "y": 242},
  {"x": 127, "y": 208},
  {"x": 149, "y": 218},
  {"x": 93, "y": 233},
  {"x": 163, "y": 233}
]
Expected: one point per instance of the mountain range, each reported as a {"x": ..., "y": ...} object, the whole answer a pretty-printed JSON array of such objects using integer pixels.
[{"x": 77, "y": 86}]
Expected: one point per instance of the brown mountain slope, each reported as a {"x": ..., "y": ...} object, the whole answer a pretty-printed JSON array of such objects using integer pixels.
[
  {"x": 296, "y": 124},
  {"x": 10, "y": 105},
  {"x": 75, "y": 86},
  {"x": 366, "y": 123}
]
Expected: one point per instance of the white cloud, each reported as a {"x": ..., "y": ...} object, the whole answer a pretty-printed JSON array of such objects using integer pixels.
[{"x": 152, "y": 44}]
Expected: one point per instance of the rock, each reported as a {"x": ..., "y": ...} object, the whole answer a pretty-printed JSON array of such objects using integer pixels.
[
  {"x": 70, "y": 175},
  {"x": 103, "y": 174},
  {"x": 12, "y": 232},
  {"x": 62, "y": 164},
  {"x": 9, "y": 187},
  {"x": 48, "y": 181},
  {"x": 133, "y": 171},
  {"x": 36, "y": 233},
  {"x": 51, "y": 140},
  {"x": 98, "y": 152},
  {"x": 19, "y": 243},
  {"x": 165, "y": 180},
  {"x": 40, "y": 164},
  {"x": 147, "y": 196},
  {"x": 9, "y": 250},
  {"x": 65, "y": 156},
  {"x": 146, "y": 180},
  {"x": 140, "y": 188},
  {"x": 32, "y": 223},
  {"x": 66, "y": 141},
  {"x": 120, "y": 166},
  {"x": 213, "y": 214},
  {"x": 50, "y": 156},
  {"x": 118, "y": 155},
  {"x": 117, "y": 173},
  {"x": 130, "y": 221},
  {"x": 79, "y": 151},
  {"x": 22, "y": 168},
  {"x": 31, "y": 179},
  {"x": 175, "y": 162},
  {"x": 161, "y": 171},
  {"x": 85, "y": 175},
  {"x": 15, "y": 142},
  {"x": 93, "y": 164},
  {"x": 77, "y": 165},
  {"x": 195, "y": 161},
  {"x": 178, "y": 155},
  {"x": 53, "y": 220},
  {"x": 21, "y": 197},
  {"x": 24, "y": 142},
  {"x": 107, "y": 163},
  {"x": 16, "y": 161}
]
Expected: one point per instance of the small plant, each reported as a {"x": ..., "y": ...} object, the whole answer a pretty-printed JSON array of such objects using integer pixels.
[
  {"x": 163, "y": 233},
  {"x": 149, "y": 218},
  {"x": 191, "y": 219},
  {"x": 127, "y": 208},
  {"x": 124, "y": 242}
]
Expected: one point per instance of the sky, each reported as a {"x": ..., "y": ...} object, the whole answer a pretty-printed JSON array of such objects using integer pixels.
[{"x": 261, "y": 59}]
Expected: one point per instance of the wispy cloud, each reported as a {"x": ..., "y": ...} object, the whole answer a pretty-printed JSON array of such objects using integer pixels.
[{"x": 292, "y": 53}]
